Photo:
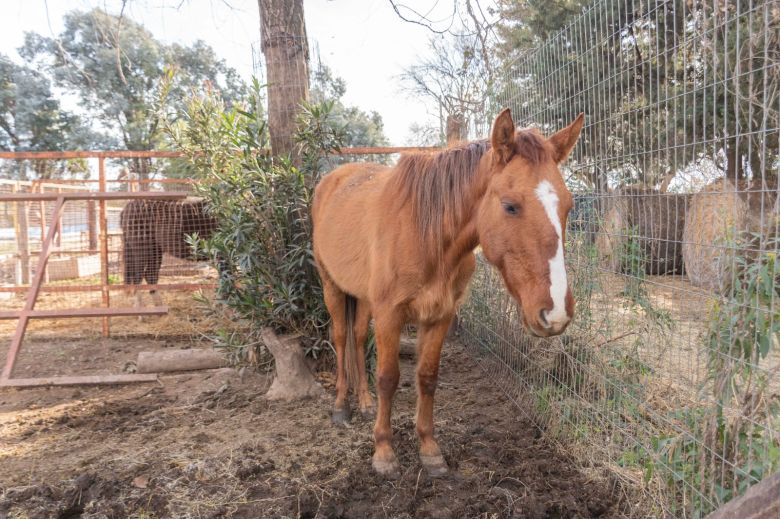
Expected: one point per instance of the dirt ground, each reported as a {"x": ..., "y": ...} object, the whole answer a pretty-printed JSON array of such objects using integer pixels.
[{"x": 208, "y": 444}]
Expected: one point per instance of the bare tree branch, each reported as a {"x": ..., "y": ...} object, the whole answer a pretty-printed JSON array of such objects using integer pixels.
[
  {"x": 423, "y": 19},
  {"x": 117, "y": 44}
]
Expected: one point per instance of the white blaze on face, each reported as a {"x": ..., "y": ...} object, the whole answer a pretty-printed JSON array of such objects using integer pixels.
[{"x": 549, "y": 199}]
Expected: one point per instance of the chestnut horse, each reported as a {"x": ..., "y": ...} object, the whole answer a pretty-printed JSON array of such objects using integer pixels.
[{"x": 397, "y": 243}]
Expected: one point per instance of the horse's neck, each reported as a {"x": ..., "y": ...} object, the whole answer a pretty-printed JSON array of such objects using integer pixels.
[{"x": 466, "y": 238}]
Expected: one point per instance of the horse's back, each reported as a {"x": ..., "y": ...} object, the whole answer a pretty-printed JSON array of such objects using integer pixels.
[{"x": 344, "y": 219}]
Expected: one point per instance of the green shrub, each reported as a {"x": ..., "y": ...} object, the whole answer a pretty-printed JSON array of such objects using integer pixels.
[
  {"x": 262, "y": 202},
  {"x": 733, "y": 444}
]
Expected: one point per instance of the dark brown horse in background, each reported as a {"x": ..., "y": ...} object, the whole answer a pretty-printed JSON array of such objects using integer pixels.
[
  {"x": 151, "y": 228},
  {"x": 398, "y": 244}
]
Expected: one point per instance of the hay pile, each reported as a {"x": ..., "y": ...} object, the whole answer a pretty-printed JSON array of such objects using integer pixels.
[
  {"x": 653, "y": 218},
  {"x": 725, "y": 220}
]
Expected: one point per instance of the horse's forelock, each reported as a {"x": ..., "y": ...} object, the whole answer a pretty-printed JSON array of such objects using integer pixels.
[{"x": 531, "y": 145}]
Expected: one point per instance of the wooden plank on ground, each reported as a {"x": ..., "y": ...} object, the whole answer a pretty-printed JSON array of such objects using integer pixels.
[
  {"x": 761, "y": 501},
  {"x": 179, "y": 360},
  {"x": 85, "y": 312},
  {"x": 79, "y": 380}
]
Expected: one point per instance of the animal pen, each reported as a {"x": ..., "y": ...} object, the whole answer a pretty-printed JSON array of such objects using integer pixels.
[
  {"x": 115, "y": 249},
  {"x": 79, "y": 230},
  {"x": 669, "y": 374}
]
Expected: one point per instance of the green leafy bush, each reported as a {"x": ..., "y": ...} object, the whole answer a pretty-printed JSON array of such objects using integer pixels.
[
  {"x": 733, "y": 445},
  {"x": 262, "y": 202}
]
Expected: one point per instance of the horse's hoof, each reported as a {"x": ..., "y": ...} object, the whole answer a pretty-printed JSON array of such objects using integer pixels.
[
  {"x": 340, "y": 416},
  {"x": 369, "y": 413},
  {"x": 388, "y": 469},
  {"x": 435, "y": 465}
]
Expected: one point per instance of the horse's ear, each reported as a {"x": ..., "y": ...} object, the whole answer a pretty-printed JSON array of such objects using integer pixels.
[
  {"x": 564, "y": 140},
  {"x": 503, "y": 138}
]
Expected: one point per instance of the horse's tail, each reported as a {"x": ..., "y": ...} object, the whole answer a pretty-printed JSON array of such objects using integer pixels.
[{"x": 350, "y": 355}]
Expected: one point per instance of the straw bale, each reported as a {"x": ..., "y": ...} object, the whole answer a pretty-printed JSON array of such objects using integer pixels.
[
  {"x": 655, "y": 218},
  {"x": 724, "y": 220}
]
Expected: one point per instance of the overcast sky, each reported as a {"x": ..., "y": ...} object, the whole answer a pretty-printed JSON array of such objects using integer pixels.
[{"x": 363, "y": 41}]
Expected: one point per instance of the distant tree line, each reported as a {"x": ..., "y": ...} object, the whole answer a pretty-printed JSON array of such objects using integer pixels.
[
  {"x": 123, "y": 81},
  {"x": 669, "y": 83}
]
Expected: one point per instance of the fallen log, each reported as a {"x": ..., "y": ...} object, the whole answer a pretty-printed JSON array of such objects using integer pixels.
[{"x": 179, "y": 360}]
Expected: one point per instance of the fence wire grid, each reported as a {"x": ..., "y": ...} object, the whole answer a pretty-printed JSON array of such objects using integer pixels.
[
  {"x": 669, "y": 373},
  {"x": 147, "y": 242}
]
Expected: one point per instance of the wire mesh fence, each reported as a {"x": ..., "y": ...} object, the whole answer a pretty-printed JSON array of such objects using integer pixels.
[{"x": 669, "y": 375}]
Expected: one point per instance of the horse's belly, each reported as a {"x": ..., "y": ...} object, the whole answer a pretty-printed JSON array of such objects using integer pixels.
[
  {"x": 343, "y": 252},
  {"x": 343, "y": 230},
  {"x": 350, "y": 273}
]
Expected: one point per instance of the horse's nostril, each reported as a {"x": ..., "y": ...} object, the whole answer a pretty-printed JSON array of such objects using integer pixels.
[{"x": 543, "y": 318}]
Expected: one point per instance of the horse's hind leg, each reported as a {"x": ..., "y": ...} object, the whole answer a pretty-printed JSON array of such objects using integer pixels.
[
  {"x": 152, "y": 274},
  {"x": 362, "y": 318},
  {"x": 429, "y": 347},
  {"x": 387, "y": 327},
  {"x": 335, "y": 301},
  {"x": 133, "y": 268}
]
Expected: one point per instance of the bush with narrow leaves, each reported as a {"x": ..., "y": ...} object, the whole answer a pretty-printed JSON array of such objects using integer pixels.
[{"x": 262, "y": 202}]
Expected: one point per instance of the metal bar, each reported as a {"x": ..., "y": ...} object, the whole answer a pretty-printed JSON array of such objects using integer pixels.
[
  {"x": 32, "y": 293},
  {"x": 358, "y": 150},
  {"x": 97, "y": 288},
  {"x": 78, "y": 380},
  {"x": 93, "y": 195},
  {"x": 119, "y": 154},
  {"x": 22, "y": 231},
  {"x": 47, "y": 183},
  {"x": 66, "y": 181},
  {"x": 384, "y": 150},
  {"x": 82, "y": 251},
  {"x": 84, "y": 312},
  {"x": 41, "y": 207},
  {"x": 104, "y": 245},
  {"x": 58, "y": 236}
]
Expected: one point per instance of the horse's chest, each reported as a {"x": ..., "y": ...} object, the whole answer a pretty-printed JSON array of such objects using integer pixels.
[
  {"x": 434, "y": 302},
  {"x": 440, "y": 298}
]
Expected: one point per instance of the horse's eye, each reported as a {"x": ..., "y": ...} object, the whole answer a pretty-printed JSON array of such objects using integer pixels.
[{"x": 510, "y": 209}]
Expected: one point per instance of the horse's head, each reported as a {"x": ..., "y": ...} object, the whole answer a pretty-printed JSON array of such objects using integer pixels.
[{"x": 522, "y": 220}]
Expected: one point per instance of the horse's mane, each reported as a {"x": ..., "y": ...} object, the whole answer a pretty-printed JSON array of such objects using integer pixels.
[{"x": 437, "y": 184}]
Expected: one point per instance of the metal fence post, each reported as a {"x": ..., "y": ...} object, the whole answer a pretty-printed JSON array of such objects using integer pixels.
[{"x": 104, "y": 244}]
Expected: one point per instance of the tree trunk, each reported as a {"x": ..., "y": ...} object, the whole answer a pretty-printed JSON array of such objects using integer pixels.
[
  {"x": 456, "y": 128},
  {"x": 293, "y": 379},
  {"x": 734, "y": 169},
  {"x": 286, "y": 51}
]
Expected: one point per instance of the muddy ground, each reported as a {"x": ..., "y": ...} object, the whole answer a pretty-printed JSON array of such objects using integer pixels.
[{"x": 208, "y": 445}]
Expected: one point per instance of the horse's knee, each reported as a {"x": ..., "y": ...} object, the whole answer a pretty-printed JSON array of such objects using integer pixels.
[
  {"x": 387, "y": 381},
  {"x": 427, "y": 382}
]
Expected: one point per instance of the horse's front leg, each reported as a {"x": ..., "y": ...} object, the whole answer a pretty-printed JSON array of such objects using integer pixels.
[
  {"x": 431, "y": 338},
  {"x": 387, "y": 328}
]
